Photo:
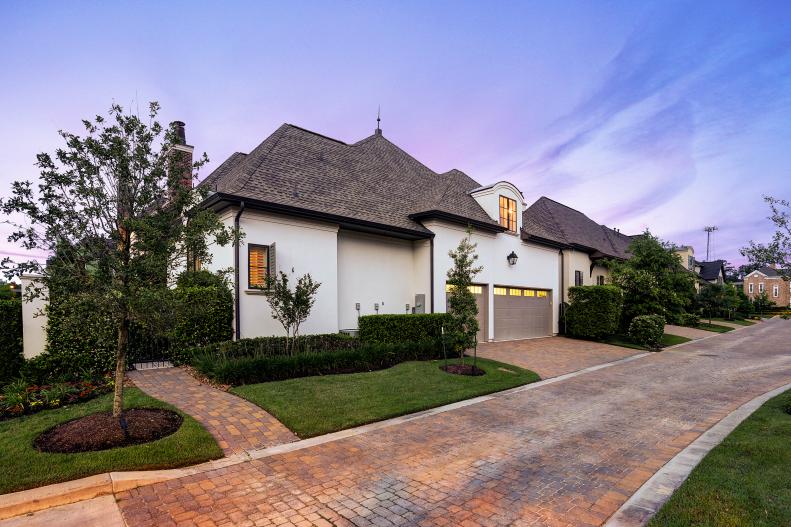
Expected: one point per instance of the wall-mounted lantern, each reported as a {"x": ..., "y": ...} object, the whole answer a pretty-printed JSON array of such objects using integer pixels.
[{"x": 512, "y": 258}]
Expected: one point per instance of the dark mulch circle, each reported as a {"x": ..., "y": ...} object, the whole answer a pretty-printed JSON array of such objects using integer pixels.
[
  {"x": 462, "y": 369},
  {"x": 102, "y": 431}
]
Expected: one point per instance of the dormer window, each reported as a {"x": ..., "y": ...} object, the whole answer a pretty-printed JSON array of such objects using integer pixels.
[{"x": 508, "y": 213}]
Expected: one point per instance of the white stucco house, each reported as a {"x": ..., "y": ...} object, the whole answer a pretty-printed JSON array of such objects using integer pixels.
[{"x": 375, "y": 226}]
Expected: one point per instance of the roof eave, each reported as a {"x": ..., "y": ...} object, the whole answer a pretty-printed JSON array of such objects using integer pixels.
[
  {"x": 455, "y": 218},
  {"x": 220, "y": 201}
]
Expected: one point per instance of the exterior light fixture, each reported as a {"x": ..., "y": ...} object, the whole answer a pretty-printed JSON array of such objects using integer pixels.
[{"x": 512, "y": 258}]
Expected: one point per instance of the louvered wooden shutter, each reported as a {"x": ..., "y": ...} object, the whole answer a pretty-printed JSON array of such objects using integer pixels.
[
  {"x": 257, "y": 265},
  {"x": 271, "y": 261}
]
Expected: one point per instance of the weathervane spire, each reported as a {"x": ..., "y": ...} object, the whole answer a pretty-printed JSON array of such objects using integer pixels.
[{"x": 378, "y": 119}]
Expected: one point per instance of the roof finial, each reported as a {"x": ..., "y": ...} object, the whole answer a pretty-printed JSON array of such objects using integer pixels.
[{"x": 378, "y": 130}]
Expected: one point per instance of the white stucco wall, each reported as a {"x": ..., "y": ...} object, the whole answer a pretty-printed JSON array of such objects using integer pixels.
[
  {"x": 301, "y": 247},
  {"x": 580, "y": 261},
  {"x": 377, "y": 270},
  {"x": 536, "y": 267},
  {"x": 34, "y": 321}
]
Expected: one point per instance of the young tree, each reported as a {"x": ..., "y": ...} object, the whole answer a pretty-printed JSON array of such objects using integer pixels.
[
  {"x": 761, "y": 303},
  {"x": 291, "y": 308},
  {"x": 778, "y": 251},
  {"x": 711, "y": 298},
  {"x": 461, "y": 302},
  {"x": 116, "y": 211}
]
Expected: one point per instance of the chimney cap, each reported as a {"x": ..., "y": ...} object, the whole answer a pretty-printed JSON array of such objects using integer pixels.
[{"x": 181, "y": 135}]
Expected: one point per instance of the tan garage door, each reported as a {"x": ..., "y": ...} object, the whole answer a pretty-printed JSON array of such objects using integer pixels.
[
  {"x": 521, "y": 313},
  {"x": 481, "y": 300}
]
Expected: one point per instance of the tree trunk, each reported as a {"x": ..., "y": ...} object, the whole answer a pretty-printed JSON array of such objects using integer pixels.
[{"x": 120, "y": 366}]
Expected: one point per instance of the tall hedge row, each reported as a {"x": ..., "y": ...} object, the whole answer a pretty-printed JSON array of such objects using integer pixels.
[
  {"x": 594, "y": 311},
  {"x": 204, "y": 316},
  {"x": 10, "y": 339},
  {"x": 402, "y": 328}
]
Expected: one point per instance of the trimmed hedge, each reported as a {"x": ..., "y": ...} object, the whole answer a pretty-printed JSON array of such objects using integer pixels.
[
  {"x": 647, "y": 330},
  {"x": 10, "y": 339},
  {"x": 402, "y": 328},
  {"x": 689, "y": 319},
  {"x": 594, "y": 311},
  {"x": 268, "y": 347},
  {"x": 204, "y": 316},
  {"x": 368, "y": 357}
]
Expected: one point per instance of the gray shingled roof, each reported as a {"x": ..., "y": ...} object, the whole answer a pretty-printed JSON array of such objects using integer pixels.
[
  {"x": 710, "y": 270},
  {"x": 772, "y": 272},
  {"x": 549, "y": 220},
  {"x": 372, "y": 180}
]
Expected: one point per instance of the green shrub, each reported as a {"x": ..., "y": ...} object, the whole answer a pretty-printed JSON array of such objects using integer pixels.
[
  {"x": 647, "y": 330},
  {"x": 201, "y": 278},
  {"x": 10, "y": 339},
  {"x": 269, "y": 347},
  {"x": 203, "y": 315},
  {"x": 689, "y": 319},
  {"x": 402, "y": 328},
  {"x": 368, "y": 357},
  {"x": 594, "y": 311}
]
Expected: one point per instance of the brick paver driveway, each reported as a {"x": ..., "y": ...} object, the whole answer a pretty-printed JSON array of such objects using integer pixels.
[
  {"x": 553, "y": 356},
  {"x": 563, "y": 453}
]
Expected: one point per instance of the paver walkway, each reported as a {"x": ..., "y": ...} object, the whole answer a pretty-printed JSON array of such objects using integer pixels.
[
  {"x": 237, "y": 424},
  {"x": 553, "y": 356},
  {"x": 564, "y": 453},
  {"x": 690, "y": 333}
]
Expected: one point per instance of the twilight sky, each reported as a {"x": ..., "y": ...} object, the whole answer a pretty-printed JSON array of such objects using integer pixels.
[{"x": 668, "y": 115}]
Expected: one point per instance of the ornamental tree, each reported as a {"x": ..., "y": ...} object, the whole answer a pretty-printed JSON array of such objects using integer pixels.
[
  {"x": 291, "y": 307},
  {"x": 116, "y": 211},
  {"x": 463, "y": 310}
]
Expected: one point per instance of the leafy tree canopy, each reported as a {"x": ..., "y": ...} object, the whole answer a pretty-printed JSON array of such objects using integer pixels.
[{"x": 778, "y": 251}]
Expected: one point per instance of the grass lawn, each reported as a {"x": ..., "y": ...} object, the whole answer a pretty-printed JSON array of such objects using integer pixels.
[
  {"x": 312, "y": 406},
  {"x": 716, "y": 328},
  {"x": 734, "y": 321},
  {"x": 23, "y": 467},
  {"x": 667, "y": 340},
  {"x": 745, "y": 481}
]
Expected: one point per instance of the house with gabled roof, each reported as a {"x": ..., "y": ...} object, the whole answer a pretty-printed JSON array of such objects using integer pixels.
[
  {"x": 374, "y": 226},
  {"x": 770, "y": 280},
  {"x": 584, "y": 244}
]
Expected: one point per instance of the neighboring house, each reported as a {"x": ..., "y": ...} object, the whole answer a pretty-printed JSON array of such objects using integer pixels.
[
  {"x": 771, "y": 281},
  {"x": 583, "y": 243},
  {"x": 712, "y": 272},
  {"x": 687, "y": 255},
  {"x": 374, "y": 226}
]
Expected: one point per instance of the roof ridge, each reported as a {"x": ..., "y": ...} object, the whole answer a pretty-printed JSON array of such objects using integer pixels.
[
  {"x": 316, "y": 134},
  {"x": 249, "y": 173},
  {"x": 553, "y": 218}
]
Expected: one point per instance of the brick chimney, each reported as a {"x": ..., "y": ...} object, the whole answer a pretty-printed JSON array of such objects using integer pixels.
[{"x": 183, "y": 154}]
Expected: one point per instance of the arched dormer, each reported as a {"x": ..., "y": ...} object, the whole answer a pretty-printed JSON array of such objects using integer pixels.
[{"x": 503, "y": 202}]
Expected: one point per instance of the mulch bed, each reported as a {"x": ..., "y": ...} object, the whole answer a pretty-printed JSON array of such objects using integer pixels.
[
  {"x": 102, "y": 431},
  {"x": 462, "y": 369}
]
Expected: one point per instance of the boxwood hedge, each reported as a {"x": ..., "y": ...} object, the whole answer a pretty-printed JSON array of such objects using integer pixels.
[
  {"x": 10, "y": 339},
  {"x": 402, "y": 328},
  {"x": 594, "y": 311}
]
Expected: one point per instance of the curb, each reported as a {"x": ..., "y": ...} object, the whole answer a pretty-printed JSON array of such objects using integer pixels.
[{"x": 650, "y": 497}]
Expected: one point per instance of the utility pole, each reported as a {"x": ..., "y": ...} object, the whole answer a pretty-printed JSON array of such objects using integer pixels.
[{"x": 709, "y": 230}]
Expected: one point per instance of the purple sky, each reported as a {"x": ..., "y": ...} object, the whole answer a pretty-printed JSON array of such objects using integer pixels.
[{"x": 668, "y": 115}]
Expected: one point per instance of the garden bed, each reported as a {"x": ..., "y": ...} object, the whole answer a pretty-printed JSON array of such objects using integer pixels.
[
  {"x": 312, "y": 406},
  {"x": 102, "y": 431}
]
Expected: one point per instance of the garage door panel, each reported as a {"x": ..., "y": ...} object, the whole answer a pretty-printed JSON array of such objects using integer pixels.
[{"x": 523, "y": 315}]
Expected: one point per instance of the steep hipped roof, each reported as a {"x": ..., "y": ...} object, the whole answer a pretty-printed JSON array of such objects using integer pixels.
[
  {"x": 372, "y": 180},
  {"x": 711, "y": 270},
  {"x": 546, "y": 219}
]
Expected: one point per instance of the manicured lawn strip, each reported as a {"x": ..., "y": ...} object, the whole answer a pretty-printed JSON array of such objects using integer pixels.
[
  {"x": 734, "y": 321},
  {"x": 744, "y": 481},
  {"x": 23, "y": 467},
  {"x": 714, "y": 327},
  {"x": 312, "y": 406},
  {"x": 667, "y": 340}
]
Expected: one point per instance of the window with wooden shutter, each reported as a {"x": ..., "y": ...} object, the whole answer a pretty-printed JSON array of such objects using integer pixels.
[{"x": 257, "y": 266}]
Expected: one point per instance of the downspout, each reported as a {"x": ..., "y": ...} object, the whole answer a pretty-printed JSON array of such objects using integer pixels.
[
  {"x": 237, "y": 316},
  {"x": 432, "y": 273},
  {"x": 562, "y": 294}
]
